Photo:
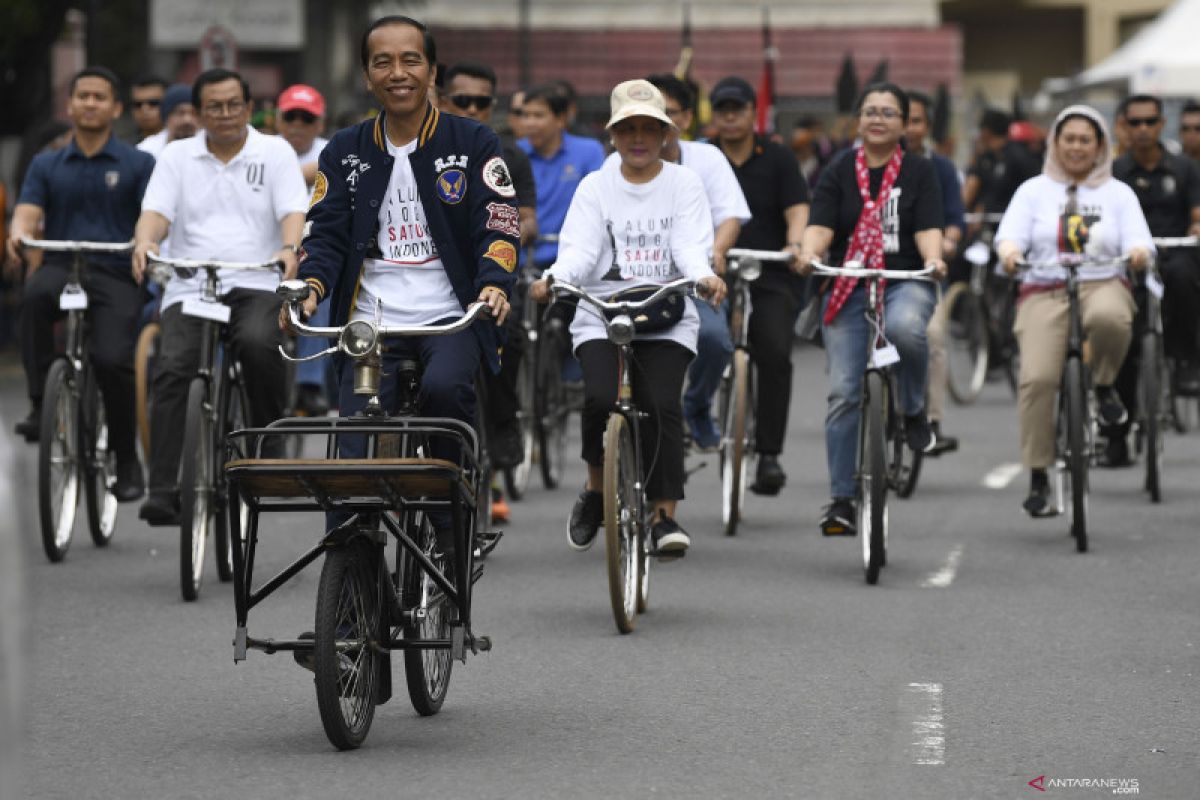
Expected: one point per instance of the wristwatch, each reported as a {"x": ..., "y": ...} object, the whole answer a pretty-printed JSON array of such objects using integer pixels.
[{"x": 295, "y": 248}]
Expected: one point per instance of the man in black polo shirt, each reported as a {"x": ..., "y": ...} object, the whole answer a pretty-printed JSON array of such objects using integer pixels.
[
  {"x": 91, "y": 190},
  {"x": 1168, "y": 188},
  {"x": 999, "y": 169},
  {"x": 778, "y": 198}
]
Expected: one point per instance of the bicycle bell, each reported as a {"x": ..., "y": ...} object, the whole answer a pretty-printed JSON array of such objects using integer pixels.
[{"x": 749, "y": 269}]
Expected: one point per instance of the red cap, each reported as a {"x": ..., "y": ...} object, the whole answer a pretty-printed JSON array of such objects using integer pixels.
[
  {"x": 1023, "y": 131},
  {"x": 302, "y": 97}
]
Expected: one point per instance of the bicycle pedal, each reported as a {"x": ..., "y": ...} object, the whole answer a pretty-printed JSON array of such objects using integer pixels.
[{"x": 481, "y": 644}]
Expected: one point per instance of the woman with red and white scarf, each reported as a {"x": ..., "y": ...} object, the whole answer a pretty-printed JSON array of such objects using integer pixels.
[{"x": 880, "y": 206}]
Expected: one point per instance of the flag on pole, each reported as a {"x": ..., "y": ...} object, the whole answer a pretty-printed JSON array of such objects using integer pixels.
[
  {"x": 683, "y": 71},
  {"x": 764, "y": 124}
]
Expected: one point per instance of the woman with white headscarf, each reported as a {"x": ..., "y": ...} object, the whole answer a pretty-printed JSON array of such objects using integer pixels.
[{"x": 1074, "y": 208}]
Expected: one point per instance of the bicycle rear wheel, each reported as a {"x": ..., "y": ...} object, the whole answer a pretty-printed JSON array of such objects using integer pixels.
[
  {"x": 734, "y": 442},
  {"x": 1078, "y": 451},
  {"x": 99, "y": 463},
  {"x": 622, "y": 522},
  {"x": 58, "y": 462},
  {"x": 516, "y": 479},
  {"x": 966, "y": 343},
  {"x": 873, "y": 477},
  {"x": 345, "y": 658},
  {"x": 143, "y": 357},
  {"x": 1149, "y": 401},
  {"x": 427, "y": 672},
  {"x": 196, "y": 496},
  {"x": 550, "y": 407}
]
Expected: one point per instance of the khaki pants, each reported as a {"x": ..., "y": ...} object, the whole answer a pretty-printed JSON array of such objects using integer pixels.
[
  {"x": 1041, "y": 328},
  {"x": 936, "y": 332}
]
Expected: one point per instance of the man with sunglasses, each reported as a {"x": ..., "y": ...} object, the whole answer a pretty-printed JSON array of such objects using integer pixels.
[
  {"x": 145, "y": 103},
  {"x": 1189, "y": 130},
  {"x": 1168, "y": 188},
  {"x": 179, "y": 116}
]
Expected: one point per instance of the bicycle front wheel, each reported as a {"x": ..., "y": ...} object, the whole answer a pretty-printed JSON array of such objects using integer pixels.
[
  {"x": 58, "y": 462},
  {"x": 236, "y": 416},
  {"x": 345, "y": 657},
  {"x": 622, "y": 522},
  {"x": 1078, "y": 452},
  {"x": 427, "y": 672},
  {"x": 143, "y": 357},
  {"x": 873, "y": 477},
  {"x": 966, "y": 343},
  {"x": 196, "y": 495},
  {"x": 1149, "y": 401},
  {"x": 733, "y": 442},
  {"x": 99, "y": 463}
]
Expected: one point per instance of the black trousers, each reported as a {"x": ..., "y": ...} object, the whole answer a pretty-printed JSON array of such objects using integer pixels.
[
  {"x": 255, "y": 336},
  {"x": 657, "y": 375},
  {"x": 777, "y": 298},
  {"x": 502, "y": 386},
  {"x": 114, "y": 303},
  {"x": 1181, "y": 303},
  {"x": 1126, "y": 383}
]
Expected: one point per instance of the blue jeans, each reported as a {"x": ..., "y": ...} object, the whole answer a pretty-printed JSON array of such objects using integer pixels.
[
  {"x": 313, "y": 372},
  {"x": 908, "y": 306},
  {"x": 713, "y": 349}
]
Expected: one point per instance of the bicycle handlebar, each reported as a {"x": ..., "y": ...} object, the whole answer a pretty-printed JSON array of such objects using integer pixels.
[
  {"x": 678, "y": 286},
  {"x": 1176, "y": 241},
  {"x": 925, "y": 273},
  {"x": 1071, "y": 263},
  {"x": 473, "y": 312},
  {"x": 758, "y": 255},
  {"x": 187, "y": 263},
  {"x": 57, "y": 246}
]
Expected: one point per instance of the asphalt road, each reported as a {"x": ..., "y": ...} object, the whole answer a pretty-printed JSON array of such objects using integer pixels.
[{"x": 990, "y": 654}]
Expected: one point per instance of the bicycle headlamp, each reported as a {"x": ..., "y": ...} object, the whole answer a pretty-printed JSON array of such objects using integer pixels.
[
  {"x": 749, "y": 269},
  {"x": 358, "y": 338},
  {"x": 620, "y": 329}
]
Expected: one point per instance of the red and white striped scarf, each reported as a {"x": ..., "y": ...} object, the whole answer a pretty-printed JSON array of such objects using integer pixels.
[{"x": 866, "y": 245}]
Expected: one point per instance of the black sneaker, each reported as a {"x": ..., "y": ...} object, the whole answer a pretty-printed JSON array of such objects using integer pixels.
[
  {"x": 838, "y": 519},
  {"x": 1038, "y": 504},
  {"x": 586, "y": 518},
  {"x": 1115, "y": 453},
  {"x": 507, "y": 449},
  {"x": 1187, "y": 378},
  {"x": 669, "y": 540},
  {"x": 941, "y": 444},
  {"x": 130, "y": 484},
  {"x": 30, "y": 427},
  {"x": 160, "y": 509},
  {"x": 1112, "y": 410},
  {"x": 919, "y": 434},
  {"x": 769, "y": 477}
]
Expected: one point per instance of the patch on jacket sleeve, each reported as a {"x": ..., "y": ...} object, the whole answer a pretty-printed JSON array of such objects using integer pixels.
[
  {"x": 320, "y": 188},
  {"x": 503, "y": 254},
  {"x": 504, "y": 218},
  {"x": 496, "y": 177}
]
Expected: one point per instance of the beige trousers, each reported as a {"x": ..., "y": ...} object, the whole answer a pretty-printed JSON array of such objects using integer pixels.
[{"x": 1041, "y": 328}]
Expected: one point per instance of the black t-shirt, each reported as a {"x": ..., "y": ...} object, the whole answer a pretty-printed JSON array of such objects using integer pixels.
[
  {"x": 521, "y": 172},
  {"x": 1167, "y": 193},
  {"x": 772, "y": 183},
  {"x": 1001, "y": 174},
  {"x": 915, "y": 205}
]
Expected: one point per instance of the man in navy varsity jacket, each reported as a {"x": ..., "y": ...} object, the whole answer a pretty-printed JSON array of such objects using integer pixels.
[{"x": 413, "y": 213}]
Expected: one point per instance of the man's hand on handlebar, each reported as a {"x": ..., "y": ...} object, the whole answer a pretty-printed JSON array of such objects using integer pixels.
[
  {"x": 539, "y": 290},
  {"x": 1139, "y": 259},
  {"x": 712, "y": 289},
  {"x": 140, "y": 249},
  {"x": 803, "y": 263},
  {"x": 497, "y": 302},
  {"x": 307, "y": 309}
]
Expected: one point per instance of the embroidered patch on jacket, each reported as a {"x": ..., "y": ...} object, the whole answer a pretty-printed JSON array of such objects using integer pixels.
[
  {"x": 504, "y": 218},
  {"x": 496, "y": 177},
  {"x": 112, "y": 178},
  {"x": 320, "y": 188},
  {"x": 503, "y": 254},
  {"x": 452, "y": 186}
]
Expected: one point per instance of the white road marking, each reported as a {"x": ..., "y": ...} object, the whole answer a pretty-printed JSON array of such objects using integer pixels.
[
  {"x": 1001, "y": 476},
  {"x": 929, "y": 727},
  {"x": 945, "y": 576}
]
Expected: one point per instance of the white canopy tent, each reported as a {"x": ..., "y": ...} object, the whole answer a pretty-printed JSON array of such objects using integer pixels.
[{"x": 1161, "y": 59}]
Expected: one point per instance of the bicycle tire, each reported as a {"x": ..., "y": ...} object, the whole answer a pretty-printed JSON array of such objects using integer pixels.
[
  {"x": 873, "y": 477},
  {"x": 98, "y": 462},
  {"x": 234, "y": 413},
  {"x": 1077, "y": 449},
  {"x": 516, "y": 479},
  {"x": 904, "y": 466},
  {"x": 427, "y": 672},
  {"x": 733, "y": 443},
  {"x": 550, "y": 409},
  {"x": 58, "y": 462},
  {"x": 196, "y": 499},
  {"x": 147, "y": 348},
  {"x": 1150, "y": 386},
  {"x": 345, "y": 656},
  {"x": 622, "y": 522},
  {"x": 966, "y": 343}
]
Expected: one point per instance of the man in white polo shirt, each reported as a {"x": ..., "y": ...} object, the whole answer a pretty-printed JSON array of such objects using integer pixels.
[{"x": 233, "y": 194}]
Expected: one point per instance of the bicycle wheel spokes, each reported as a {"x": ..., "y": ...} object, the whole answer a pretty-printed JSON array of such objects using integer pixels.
[
  {"x": 622, "y": 525},
  {"x": 427, "y": 672},
  {"x": 58, "y": 463},
  {"x": 345, "y": 658}
]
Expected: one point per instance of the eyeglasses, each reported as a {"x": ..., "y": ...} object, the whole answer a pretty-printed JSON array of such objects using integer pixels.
[
  {"x": 229, "y": 109},
  {"x": 298, "y": 115},
  {"x": 146, "y": 103},
  {"x": 464, "y": 101},
  {"x": 887, "y": 112},
  {"x": 1137, "y": 122}
]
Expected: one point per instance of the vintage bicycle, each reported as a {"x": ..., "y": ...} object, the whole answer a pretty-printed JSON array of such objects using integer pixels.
[{"x": 73, "y": 451}]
